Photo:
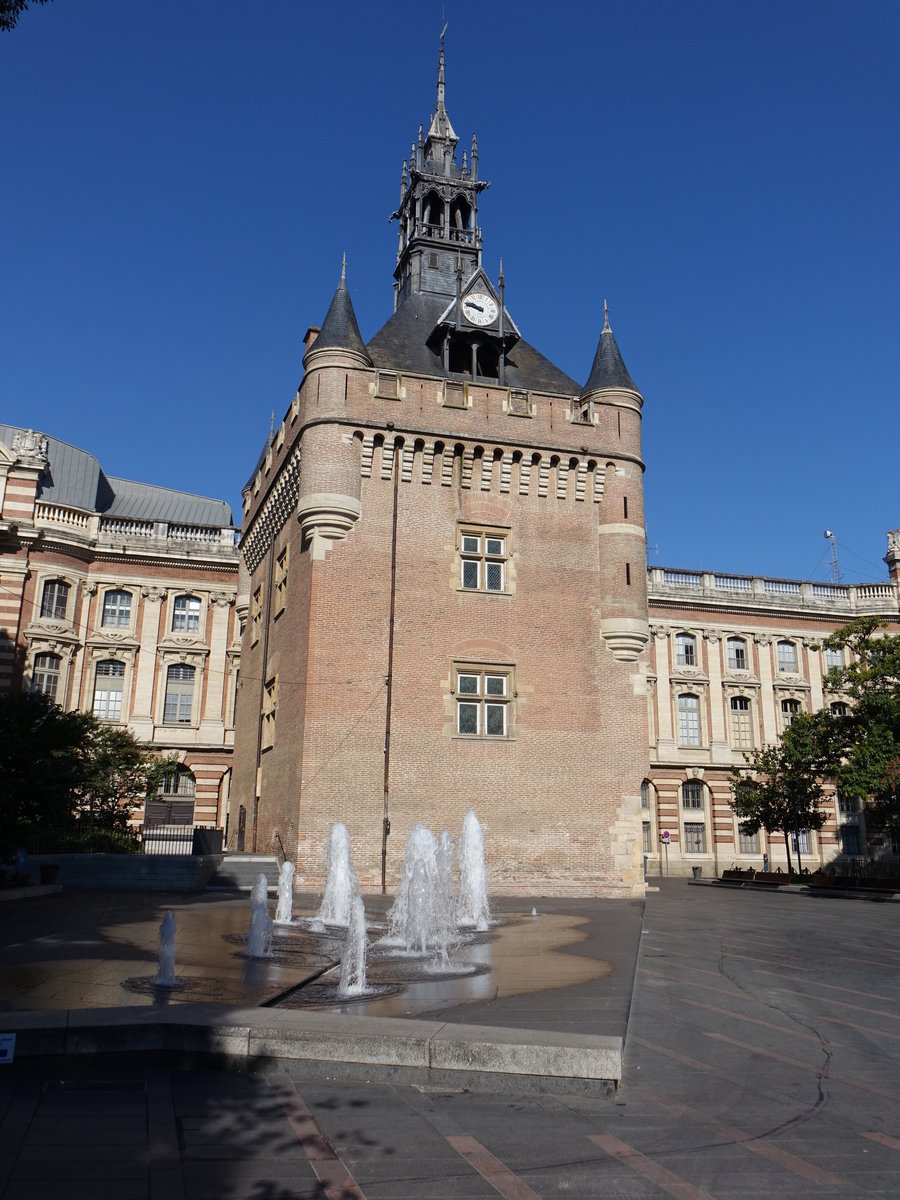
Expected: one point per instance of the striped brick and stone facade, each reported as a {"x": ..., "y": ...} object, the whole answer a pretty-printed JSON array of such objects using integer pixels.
[
  {"x": 119, "y": 599},
  {"x": 732, "y": 659}
]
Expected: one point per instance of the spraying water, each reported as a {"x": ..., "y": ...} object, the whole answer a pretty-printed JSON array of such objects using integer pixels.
[
  {"x": 259, "y": 941},
  {"x": 285, "y": 894},
  {"x": 353, "y": 957},
  {"x": 412, "y": 918},
  {"x": 165, "y": 976},
  {"x": 472, "y": 906},
  {"x": 341, "y": 884}
]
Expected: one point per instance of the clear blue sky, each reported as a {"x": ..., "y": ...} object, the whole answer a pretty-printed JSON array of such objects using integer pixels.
[{"x": 182, "y": 177}]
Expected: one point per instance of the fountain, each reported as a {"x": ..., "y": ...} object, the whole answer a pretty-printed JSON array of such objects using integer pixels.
[
  {"x": 285, "y": 894},
  {"x": 353, "y": 957},
  {"x": 472, "y": 907},
  {"x": 165, "y": 976},
  {"x": 341, "y": 884},
  {"x": 259, "y": 941},
  {"x": 412, "y": 918}
]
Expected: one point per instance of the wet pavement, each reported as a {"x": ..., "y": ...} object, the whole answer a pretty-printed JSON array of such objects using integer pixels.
[
  {"x": 762, "y": 1057},
  {"x": 100, "y": 951}
]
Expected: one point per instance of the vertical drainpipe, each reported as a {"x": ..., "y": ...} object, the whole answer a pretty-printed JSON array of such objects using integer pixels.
[
  {"x": 385, "y": 818},
  {"x": 262, "y": 689}
]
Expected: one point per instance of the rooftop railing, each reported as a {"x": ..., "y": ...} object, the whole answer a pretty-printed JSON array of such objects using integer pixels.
[{"x": 760, "y": 591}]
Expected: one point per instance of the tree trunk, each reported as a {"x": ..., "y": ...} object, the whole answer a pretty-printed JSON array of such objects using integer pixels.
[
  {"x": 799, "y": 859},
  {"x": 787, "y": 846}
]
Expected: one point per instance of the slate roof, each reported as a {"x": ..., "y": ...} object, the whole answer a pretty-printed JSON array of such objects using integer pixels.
[
  {"x": 402, "y": 345},
  {"x": 340, "y": 329},
  {"x": 609, "y": 370},
  {"x": 75, "y": 479}
]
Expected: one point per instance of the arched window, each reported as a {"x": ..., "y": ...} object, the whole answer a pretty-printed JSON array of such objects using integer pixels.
[
  {"x": 787, "y": 656},
  {"x": 186, "y": 614},
  {"x": 55, "y": 600},
  {"x": 741, "y": 728},
  {"x": 116, "y": 610},
  {"x": 645, "y": 794},
  {"x": 790, "y": 710},
  {"x": 689, "y": 720},
  {"x": 109, "y": 682},
  {"x": 692, "y": 794},
  {"x": 45, "y": 674},
  {"x": 737, "y": 654},
  {"x": 179, "y": 694},
  {"x": 839, "y": 709},
  {"x": 685, "y": 650},
  {"x": 433, "y": 214},
  {"x": 179, "y": 782}
]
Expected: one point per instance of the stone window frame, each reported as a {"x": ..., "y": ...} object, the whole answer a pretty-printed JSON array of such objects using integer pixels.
[
  {"x": 739, "y": 644},
  {"x": 683, "y": 725},
  {"x": 787, "y": 664},
  {"x": 55, "y": 581},
  {"x": 269, "y": 713},
  {"x": 686, "y": 654},
  {"x": 736, "y": 718},
  {"x": 44, "y": 670},
  {"x": 118, "y": 623},
  {"x": 482, "y": 558},
  {"x": 187, "y": 627},
  {"x": 482, "y": 700},
  {"x": 280, "y": 582},
  {"x": 192, "y": 716},
  {"x": 108, "y": 691}
]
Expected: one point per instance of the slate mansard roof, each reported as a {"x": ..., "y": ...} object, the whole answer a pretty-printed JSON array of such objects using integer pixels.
[{"x": 75, "y": 479}]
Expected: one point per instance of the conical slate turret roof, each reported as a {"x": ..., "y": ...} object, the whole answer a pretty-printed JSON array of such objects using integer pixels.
[
  {"x": 340, "y": 330},
  {"x": 609, "y": 370}
]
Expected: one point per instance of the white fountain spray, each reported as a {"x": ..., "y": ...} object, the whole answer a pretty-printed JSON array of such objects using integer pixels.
[
  {"x": 412, "y": 918},
  {"x": 341, "y": 884},
  {"x": 165, "y": 976},
  {"x": 285, "y": 894},
  {"x": 353, "y": 957},
  {"x": 259, "y": 941},
  {"x": 472, "y": 906}
]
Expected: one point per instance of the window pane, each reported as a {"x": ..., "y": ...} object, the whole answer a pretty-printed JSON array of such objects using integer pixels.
[
  {"x": 737, "y": 654},
  {"x": 494, "y": 577},
  {"x": 469, "y": 574},
  {"x": 468, "y": 718},
  {"x": 116, "y": 609},
  {"x": 471, "y": 545},
  {"x": 468, "y": 685},
  {"x": 111, "y": 668},
  {"x": 187, "y": 614},
  {"x": 787, "y": 656},
  {"x": 695, "y": 839},
  {"x": 496, "y": 719},
  {"x": 849, "y": 839},
  {"x": 55, "y": 600},
  {"x": 692, "y": 794},
  {"x": 495, "y": 545},
  {"x": 45, "y": 676},
  {"x": 496, "y": 685},
  {"x": 645, "y": 794},
  {"x": 689, "y": 720},
  {"x": 684, "y": 650},
  {"x": 748, "y": 843},
  {"x": 645, "y": 829}
]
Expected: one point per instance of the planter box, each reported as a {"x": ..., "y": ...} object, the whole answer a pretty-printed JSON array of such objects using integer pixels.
[
  {"x": 739, "y": 876},
  {"x": 771, "y": 878}
]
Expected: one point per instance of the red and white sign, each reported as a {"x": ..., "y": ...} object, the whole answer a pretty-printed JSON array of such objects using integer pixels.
[{"x": 665, "y": 835}]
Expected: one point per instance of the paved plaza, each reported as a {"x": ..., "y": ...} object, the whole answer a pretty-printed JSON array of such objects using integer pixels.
[{"x": 761, "y": 1055}]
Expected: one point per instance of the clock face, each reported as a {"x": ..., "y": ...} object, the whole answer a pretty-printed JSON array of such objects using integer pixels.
[{"x": 479, "y": 308}]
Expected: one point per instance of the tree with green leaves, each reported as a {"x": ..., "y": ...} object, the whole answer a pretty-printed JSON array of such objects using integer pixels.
[
  {"x": 780, "y": 789},
  {"x": 861, "y": 748},
  {"x": 64, "y": 769}
]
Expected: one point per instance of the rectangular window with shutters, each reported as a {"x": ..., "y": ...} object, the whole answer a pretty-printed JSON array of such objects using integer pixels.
[{"x": 482, "y": 560}]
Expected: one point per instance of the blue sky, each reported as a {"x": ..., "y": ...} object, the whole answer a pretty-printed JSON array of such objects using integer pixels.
[{"x": 182, "y": 178}]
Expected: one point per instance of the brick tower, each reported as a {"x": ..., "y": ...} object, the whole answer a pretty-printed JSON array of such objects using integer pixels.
[{"x": 444, "y": 588}]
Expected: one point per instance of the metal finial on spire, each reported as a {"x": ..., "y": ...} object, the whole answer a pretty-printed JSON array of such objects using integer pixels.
[
  {"x": 501, "y": 272},
  {"x": 272, "y": 428},
  {"x": 605, "y": 315},
  {"x": 344, "y": 267}
]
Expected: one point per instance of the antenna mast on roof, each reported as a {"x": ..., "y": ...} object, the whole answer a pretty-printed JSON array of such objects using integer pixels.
[{"x": 835, "y": 569}]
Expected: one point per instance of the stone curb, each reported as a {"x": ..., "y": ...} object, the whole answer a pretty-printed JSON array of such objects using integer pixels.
[
  {"x": 433, "y": 1051},
  {"x": 799, "y": 890}
]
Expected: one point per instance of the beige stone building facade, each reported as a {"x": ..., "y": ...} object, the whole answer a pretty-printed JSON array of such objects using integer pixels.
[
  {"x": 118, "y": 598},
  {"x": 733, "y": 659}
]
